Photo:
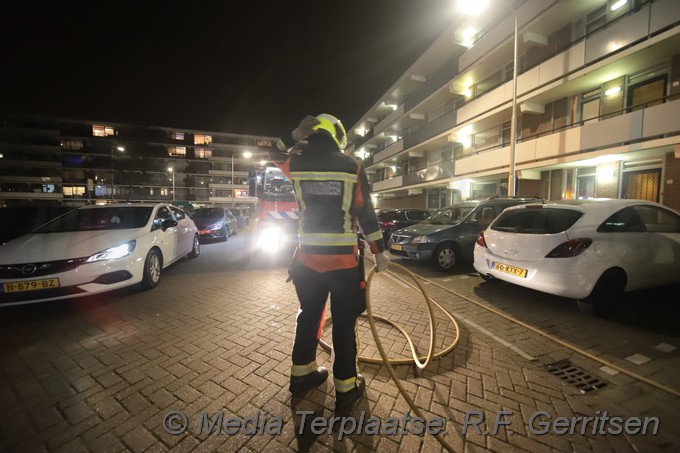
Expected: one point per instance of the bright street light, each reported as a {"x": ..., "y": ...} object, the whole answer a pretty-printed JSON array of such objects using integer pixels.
[
  {"x": 474, "y": 8},
  {"x": 247, "y": 155},
  {"x": 121, "y": 149},
  {"x": 171, "y": 170}
]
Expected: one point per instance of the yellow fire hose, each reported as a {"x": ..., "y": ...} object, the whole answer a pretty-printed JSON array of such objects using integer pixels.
[{"x": 420, "y": 362}]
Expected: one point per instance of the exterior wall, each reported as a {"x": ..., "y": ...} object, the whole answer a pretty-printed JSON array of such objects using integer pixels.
[
  {"x": 556, "y": 184},
  {"x": 671, "y": 194},
  {"x": 534, "y": 187},
  {"x": 607, "y": 186},
  {"x": 411, "y": 201}
]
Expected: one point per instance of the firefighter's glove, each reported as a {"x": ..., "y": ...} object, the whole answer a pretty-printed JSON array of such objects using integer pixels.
[
  {"x": 304, "y": 129},
  {"x": 382, "y": 261}
]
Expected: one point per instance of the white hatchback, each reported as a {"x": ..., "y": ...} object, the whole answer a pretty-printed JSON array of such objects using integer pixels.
[
  {"x": 590, "y": 250},
  {"x": 94, "y": 249}
]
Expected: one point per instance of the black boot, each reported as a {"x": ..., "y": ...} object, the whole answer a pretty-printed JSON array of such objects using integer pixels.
[
  {"x": 343, "y": 400},
  {"x": 299, "y": 384}
]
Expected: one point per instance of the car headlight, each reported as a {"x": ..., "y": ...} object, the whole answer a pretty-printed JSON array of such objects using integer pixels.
[
  {"x": 269, "y": 238},
  {"x": 419, "y": 240},
  {"x": 113, "y": 253},
  {"x": 216, "y": 226}
]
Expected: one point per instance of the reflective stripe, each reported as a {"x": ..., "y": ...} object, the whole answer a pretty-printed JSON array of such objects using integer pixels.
[
  {"x": 328, "y": 239},
  {"x": 279, "y": 215},
  {"x": 348, "y": 237},
  {"x": 375, "y": 236},
  {"x": 345, "y": 385},
  {"x": 324, "y": 176},
  {"x": 303, "y": 370}
]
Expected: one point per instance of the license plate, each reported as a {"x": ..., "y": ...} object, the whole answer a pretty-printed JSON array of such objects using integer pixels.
[
  {"x": 396, "y": 247},
  {"x": 203, "y": 231},
  {"x": 518, "y": 271},
  {"x": 30, "y": 285}
]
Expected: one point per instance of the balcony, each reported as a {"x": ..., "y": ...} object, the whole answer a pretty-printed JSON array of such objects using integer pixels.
[{"x": 435, "y": 172}]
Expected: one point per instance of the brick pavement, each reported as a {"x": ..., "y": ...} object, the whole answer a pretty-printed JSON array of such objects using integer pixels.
[{"x": 100, "y": 375}]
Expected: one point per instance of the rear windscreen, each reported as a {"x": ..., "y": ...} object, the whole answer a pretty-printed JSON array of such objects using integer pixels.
[{"x": 536, "y": 221}]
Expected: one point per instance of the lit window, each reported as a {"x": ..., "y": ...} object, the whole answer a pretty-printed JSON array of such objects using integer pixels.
[
  {"x": 72, "y": 144},
  {"x": 102, "y": 131},
  {"x": 177, "y": 151},
  {"x": 200, "y": 139},
  {"x": 178, "y": 135},
  {"x": 203, "y": 153}
]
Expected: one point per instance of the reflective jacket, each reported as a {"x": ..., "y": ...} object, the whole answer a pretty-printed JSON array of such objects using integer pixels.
[{"x": 334, "y": 200}]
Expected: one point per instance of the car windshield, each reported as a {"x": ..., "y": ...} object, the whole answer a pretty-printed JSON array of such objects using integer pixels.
[
  {"x": 450, "y": 216},
  {"x": 107, "y": 218},
  {"x": 203, "y": 213}
]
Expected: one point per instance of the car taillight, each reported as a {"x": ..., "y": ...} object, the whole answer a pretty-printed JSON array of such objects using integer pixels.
[
  {"x": 388, "y": 224},
  {"x": 570, "y": 248},
  {"x": 480, "y": 239}
]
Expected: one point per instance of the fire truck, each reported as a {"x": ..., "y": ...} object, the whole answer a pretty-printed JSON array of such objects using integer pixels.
[{"x": 277, "y": 209}]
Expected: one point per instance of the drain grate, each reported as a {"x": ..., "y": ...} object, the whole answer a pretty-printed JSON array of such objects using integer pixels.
[{"x": 575, "y": 376}]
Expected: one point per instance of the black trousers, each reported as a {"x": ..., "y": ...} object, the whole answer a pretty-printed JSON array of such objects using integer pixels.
[{"x": 348, "y": 301}]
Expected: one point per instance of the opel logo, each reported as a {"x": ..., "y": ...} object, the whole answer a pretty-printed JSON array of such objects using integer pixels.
[{"x": 29, "y": 269}]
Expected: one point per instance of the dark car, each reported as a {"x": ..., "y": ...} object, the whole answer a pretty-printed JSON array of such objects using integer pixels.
[
  {"x": 214, "y": 223},
  {"x": 395, "y": 219},
  {"x": 241, "y": 217},
  {"x": 450, "y": 234}
]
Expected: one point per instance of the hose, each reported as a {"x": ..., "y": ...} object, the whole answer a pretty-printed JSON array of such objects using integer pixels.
[{"x": 420, "y": 362}]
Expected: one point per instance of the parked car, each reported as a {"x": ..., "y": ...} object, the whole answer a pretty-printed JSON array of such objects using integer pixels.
[
  {"x": 94, "y": 249},
  {"x": 449, "y": 235},
  {"x": 215, "y": 223},
  {"x": 241, "y": 217},
  {"x": 395, "y": 219},
  {"x": 19, "y": 220},
  {"x": 589, "y": 250}
]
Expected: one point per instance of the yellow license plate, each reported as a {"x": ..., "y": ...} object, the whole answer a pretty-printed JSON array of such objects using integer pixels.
[
  {"x": 518, "y": 271},
  {"x": 30, "y": 285},
  {"x": 396, "y": 247}
]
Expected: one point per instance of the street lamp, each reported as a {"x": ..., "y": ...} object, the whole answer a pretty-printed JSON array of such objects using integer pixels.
[
  {"x": 512, "y": 190},
  {"x": 121, "y": 149},
  {"x": 247, "y": 155},
  {"x": 475, "y": 7},
  {"x": 171, "y": 170}
]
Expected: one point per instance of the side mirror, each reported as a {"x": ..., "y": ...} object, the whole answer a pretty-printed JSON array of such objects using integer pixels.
[{"x": 168, "y": 223}]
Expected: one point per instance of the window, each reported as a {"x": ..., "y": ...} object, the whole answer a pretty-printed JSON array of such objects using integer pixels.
[
  {"x": 178, "y": 135},
  {"x": 596, "y": 20},
  {"x": 624, "y": 221},
  {"x": 73, "y": 191},
  {"x": 585, "y": 182},
  {"x": 658, "y": 220},
  {"x": 203, "y": 153},
  {"x": 72, "y": 144},
  {"x": 102, "y": 131},
  {"x": 177, "y": 151},
  {"x": 200, "y": 139},
  {"x": 590, "y": 106},
  {"x": 539, "y": 220}
]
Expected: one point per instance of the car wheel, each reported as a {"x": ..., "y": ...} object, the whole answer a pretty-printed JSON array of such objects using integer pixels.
[
  {"x": 153, "y": 265},
  {"x": 605, "y": 297},
  {"x": 196, "y": 248},
  {"x": 445, "y": 256},
  {"x": 227, "y": 233}
]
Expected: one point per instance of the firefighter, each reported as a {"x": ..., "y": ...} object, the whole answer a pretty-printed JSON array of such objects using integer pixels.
[{"x": 334, "y": 202}]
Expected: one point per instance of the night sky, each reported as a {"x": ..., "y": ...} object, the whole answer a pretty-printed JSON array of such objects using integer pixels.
[{"x": 255, "y": 68}]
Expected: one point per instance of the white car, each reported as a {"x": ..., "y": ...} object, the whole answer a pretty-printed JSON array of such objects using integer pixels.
[
  {"x": 589, "y": 250},
  {"x": 94, "y": 249}
]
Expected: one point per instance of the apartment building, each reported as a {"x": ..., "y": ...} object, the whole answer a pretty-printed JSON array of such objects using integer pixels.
[
  {"x": 593, "y": 94},
  {"x": 72, "y": 162}
]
